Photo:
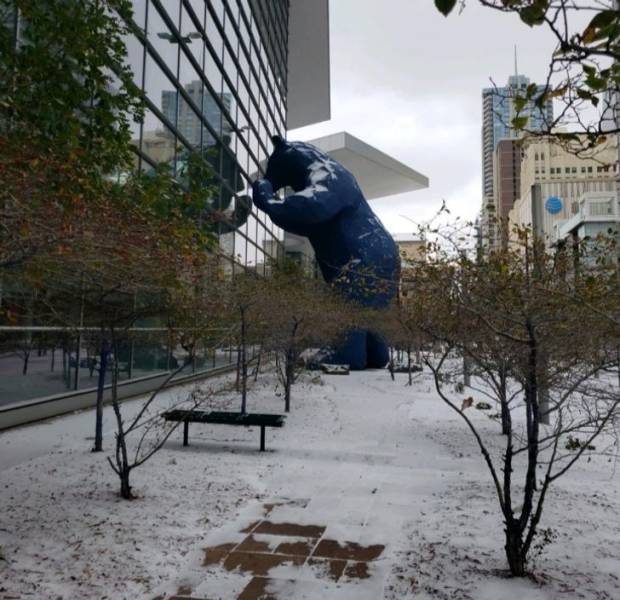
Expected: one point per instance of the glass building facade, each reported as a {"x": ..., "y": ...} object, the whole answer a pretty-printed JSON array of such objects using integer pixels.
[{"x": 214, "y": 76}]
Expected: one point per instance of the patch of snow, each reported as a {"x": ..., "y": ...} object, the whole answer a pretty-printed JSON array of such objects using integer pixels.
[{"x": 378, "y": 462}]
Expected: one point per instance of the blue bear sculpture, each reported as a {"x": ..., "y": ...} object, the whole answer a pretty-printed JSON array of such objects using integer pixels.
[{"x": 352, "y": 248}]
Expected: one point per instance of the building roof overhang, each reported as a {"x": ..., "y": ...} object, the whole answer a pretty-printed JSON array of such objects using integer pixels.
[
  {"x": 308, "y": 79},
  {"x": 377, "y": 173}
]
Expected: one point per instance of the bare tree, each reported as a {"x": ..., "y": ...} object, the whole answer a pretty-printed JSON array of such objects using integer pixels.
[
  {"x": 527, "y": 323},
  {"x": 148, "y": 428},
  {"x": 399, "y": 326},
  {"x": 300, "y": 312},
  {"x": 243, "y": 296}
]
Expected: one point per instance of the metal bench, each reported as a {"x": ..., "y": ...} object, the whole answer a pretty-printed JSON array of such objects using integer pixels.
[{"x": 224, "y": 418}]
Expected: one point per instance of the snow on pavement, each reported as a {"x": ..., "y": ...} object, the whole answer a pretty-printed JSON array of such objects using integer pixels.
[{"x": 370, "y": 460}]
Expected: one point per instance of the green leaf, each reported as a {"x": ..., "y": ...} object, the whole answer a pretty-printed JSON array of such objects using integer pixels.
[
  {"x": 532, "y": 15},
  {"x": 589, "y": 70},
  {"x": 603, "y": 18},
  {"x": 519, "y": 122},
  {"x": 596, "y": 83},
  {"x": 584, "y": 94},
  {"x": 520, "y": 103},
  {"x": 445, "y": 6}
]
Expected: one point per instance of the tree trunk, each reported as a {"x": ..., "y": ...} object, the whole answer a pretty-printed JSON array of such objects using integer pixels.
[
  {"x": 125, "y": 487},
  {"x": 532, "y": 394},
  {"x": 238, "y": 377},
  {"x": 244, "y": 365},
  {"x": 287, "y": 394},
  {"x": 258, "y": 360},
  {"x": 515, "y": 554},
  {"x": 410, "y": 382},
  {"x": 289, "y": 370},
  {"x": 26, "y": 359},
  {"x": 122, "y": 459},
  {"x": 103, "y": 364},
  {"x": 121, "y": 455},
  {"x": 503, "y": 399},
  {"x": 543, "y": 393}
]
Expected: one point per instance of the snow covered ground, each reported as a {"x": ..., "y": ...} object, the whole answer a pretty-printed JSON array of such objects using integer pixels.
[{"x": 370, "y": 460}]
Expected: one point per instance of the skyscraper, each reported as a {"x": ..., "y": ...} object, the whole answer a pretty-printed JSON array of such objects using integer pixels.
[
  {"x": 506, "y": 180},
  {"x": 498, "y": 111}
]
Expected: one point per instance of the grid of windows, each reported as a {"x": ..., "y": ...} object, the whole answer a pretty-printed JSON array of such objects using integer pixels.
[{"x": 214, "y": 78}]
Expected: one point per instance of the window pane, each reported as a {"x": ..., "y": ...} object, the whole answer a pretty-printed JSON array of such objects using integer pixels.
[
  {"x": 158, "y": 141},
  {"x": 172, "y": 9},
  {"x": 189, "y": 123},
  {"x": 163, "y": 40},
  {"x": 160, "y": 91},
  {"x": 192, "y": 37}
]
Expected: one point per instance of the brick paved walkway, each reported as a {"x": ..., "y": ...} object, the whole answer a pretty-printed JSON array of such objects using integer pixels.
[{"x": 275, "y": 559}]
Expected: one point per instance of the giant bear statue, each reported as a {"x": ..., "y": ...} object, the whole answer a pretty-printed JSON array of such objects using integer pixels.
[{"x": 352, "y": 248}]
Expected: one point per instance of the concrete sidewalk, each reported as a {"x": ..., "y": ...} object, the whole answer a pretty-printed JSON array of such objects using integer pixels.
[{"x": 339, "y": 499}]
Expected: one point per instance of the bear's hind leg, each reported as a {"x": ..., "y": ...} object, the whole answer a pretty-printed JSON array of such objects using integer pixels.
[
  {"x": 352, "y": 351},
  {"x": 377, "y": 353}
]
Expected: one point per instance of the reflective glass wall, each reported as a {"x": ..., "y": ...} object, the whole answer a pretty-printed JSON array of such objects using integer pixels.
[{"x": 214, "y": 78}]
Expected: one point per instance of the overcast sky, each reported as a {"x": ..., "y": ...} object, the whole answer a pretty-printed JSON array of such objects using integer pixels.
[{"x": 408, "y": 80}]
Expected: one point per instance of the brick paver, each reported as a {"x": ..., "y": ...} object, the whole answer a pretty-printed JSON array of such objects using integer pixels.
[{"x": 312, "y": 559}]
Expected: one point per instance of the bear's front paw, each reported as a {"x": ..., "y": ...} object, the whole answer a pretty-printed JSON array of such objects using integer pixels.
[{"x": 262, "y": 190}]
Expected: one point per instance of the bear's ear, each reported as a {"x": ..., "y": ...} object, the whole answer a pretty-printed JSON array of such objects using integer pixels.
[{"x": 277, "y": 141}]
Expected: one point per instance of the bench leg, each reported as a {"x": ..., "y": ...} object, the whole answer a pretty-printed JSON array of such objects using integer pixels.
[
  {"x": 186, "y": 433},
  {"x": 262, "y": 438}
]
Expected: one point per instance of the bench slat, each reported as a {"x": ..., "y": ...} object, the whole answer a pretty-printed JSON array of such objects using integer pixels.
[{"x": 225, "y": 418}]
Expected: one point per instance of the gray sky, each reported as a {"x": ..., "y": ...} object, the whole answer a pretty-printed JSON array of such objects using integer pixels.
[{"x": 408, "y": 80}]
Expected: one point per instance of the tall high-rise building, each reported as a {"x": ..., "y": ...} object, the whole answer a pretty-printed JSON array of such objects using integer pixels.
[
  {"x": 506, "y": 181},
  {"x": 498, "y": 111}
]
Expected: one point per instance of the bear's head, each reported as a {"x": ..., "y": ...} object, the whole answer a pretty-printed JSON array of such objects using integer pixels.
[{"x": 291, "y": 163}]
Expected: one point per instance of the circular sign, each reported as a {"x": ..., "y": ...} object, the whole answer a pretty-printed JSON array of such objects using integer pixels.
[{"x": 553, "y": 205}]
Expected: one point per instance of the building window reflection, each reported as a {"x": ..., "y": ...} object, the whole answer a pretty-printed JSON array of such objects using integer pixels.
[{"x": 213, "y": 75}]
